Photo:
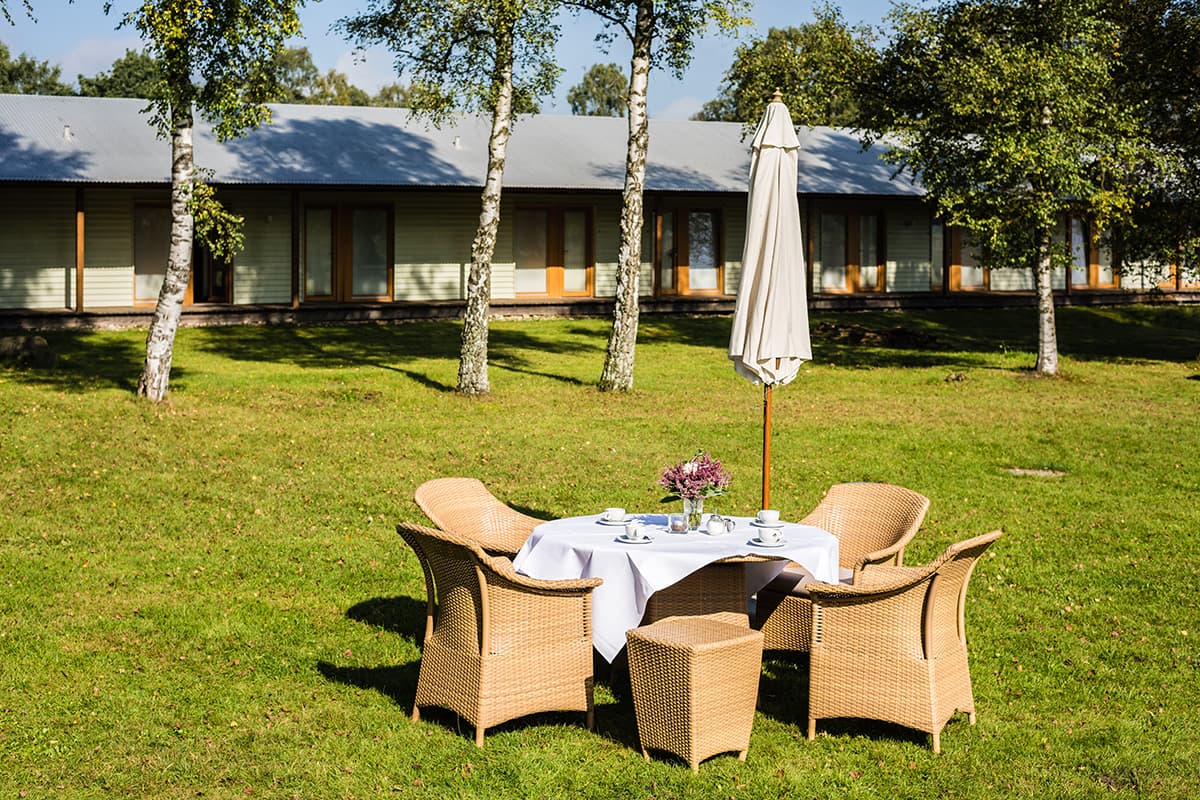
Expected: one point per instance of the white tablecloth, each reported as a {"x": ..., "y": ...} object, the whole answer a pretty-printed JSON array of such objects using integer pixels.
[{"x": 580, "y": 547}]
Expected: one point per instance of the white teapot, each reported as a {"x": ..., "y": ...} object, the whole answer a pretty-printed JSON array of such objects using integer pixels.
[{"x": 717, "y": 525}]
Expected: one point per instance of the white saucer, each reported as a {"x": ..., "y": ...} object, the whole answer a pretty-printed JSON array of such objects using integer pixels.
[
  {"x": 620, "y": 522},
  {"x": 623, "y": 539},
  {"x": 758, "y": 524},
  {"x": 760, "y": 543}
]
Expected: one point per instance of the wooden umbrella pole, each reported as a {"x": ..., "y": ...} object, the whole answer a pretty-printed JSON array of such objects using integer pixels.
[{"x": 766, "y": 470}]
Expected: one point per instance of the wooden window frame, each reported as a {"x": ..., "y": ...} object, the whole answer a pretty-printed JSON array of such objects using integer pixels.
[
  {"x": 556, "y": 250},
  {"x": 682, "y": 240},
  {"x": 853, "y": 247},
  {"x": 954, "y": 278},
  {"x": 342, "y": 233},
  {"x": 1092, "y": 237}
]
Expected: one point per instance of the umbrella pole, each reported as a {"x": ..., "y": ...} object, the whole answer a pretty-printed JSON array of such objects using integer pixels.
[{"x": 766, "y": 469}]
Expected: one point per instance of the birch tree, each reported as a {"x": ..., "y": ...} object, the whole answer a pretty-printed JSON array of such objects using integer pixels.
[
  {"x": 215, "y": 57},
  {"x": 491, "y": 56},
  {"x": 1007, "y": 110},
  {"x": 661, "y": 34}
]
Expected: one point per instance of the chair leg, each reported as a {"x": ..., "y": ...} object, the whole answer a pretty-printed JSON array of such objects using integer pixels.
[
  {"x": 590, "y": 716},
  {"x": 416, "y": 715},
  {"x": 971, "y": 717},
  {"x": 812, "y": 728},
  {"x": 479, "y": 729},
  {"x": 937, "y": 743}
]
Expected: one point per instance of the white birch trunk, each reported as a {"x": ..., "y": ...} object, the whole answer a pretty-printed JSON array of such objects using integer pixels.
[
  {"x": 622, "y": 341},
  {"x": 160, "y": 341},
  {"x": 1047, "y": 358},
  {"x": 473, "y": 356}
]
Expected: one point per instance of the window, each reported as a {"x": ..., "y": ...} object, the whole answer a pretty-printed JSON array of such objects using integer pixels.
[
  {"x": 1091, "y": 260},
  {"x": 847, "y": 252},
  {"x": 151, "y": 249},
  {"x": 347, "y": 253},
  {"x": 967, "y": 273},
  {"x": 553, "y": 252},
  {"x": 687, "y": 252}
]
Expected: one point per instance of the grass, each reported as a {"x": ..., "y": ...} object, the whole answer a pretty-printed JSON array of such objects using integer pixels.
[{"x": 208, "y": 598}]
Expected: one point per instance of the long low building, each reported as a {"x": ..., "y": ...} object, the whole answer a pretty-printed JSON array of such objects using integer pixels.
[{"x": 350, "y": 208}]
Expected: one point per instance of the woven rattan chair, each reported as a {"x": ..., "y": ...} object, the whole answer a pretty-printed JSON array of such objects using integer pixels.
[
  {"x": 873, "y": 523},
  {"x": 499, "y": 645},
  {"x": 465, "y": 507},
  {"x": 894, "y": 647}
]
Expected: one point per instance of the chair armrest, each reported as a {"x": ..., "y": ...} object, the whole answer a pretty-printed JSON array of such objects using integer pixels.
[
  {"x": 893, "y": 554},
  {"x": 886, "y": 575},
  {"x": 504, "y": 568},
  {"x": 876, "y": 582}
]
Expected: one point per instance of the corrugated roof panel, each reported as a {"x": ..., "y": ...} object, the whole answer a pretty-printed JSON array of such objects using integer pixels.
[{"x": 99, "y": 140}]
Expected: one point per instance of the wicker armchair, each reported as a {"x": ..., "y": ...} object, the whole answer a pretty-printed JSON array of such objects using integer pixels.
[
  {"x": 873, "y": 523},
  {"x": 465, "y": 507},
  {"x": 894, "y": 647},
  {"x": 499, "y": 645}
]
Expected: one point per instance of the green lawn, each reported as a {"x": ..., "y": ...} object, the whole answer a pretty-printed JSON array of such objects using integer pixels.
[{"x": 208, "y": 598}]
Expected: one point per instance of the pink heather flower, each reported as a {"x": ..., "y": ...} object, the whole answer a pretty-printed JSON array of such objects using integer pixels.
[{"x": 699, "y": 476}]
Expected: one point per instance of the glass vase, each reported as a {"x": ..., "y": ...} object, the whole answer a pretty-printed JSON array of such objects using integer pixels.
[{"x": 693, "y": 510}]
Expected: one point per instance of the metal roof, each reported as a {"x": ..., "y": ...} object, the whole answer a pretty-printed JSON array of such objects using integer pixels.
[{"x": 105, "y": 140}]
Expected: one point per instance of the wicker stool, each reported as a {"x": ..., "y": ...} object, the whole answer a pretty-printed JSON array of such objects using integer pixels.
[{"x": 695, "y": 683}]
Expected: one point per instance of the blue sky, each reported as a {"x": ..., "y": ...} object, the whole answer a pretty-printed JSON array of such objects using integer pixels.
[{"x": 82, "y": 40}]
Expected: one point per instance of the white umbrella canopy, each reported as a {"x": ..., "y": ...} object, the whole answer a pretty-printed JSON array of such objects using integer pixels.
[{"x": 769, "y": 339}]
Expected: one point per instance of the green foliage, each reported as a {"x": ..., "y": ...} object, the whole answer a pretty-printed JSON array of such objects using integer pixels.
[
  {"x": 25, "y": 75},
  {"x": 673, "y": 27},
  {"x": 1008, "y": 110},
  {"x": 208, "y": 596},
  {"x": 818, "y": 67},
  {"x": 295, "y": 75},
  {"x": 393, "y": 95},
  {"x": 334, "y": 89},
  {"x": 215, "y": 226},
  {"x": 601, "y": 93},
  {"x": 134, "y": 74},
  {"x": 1160, "y": 76},
  {"x": 215, "y": 57},
  {"x": 457, "y": 57}
]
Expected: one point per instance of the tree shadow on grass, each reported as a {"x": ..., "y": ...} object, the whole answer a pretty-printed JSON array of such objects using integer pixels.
[
  {"x": 399, "y": 348},
  {"x": 89, "y": 360},
  {"x": 1139, "y": 333}
]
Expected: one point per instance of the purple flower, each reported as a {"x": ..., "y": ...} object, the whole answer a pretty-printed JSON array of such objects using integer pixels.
[{"x": 699, "y": 476}]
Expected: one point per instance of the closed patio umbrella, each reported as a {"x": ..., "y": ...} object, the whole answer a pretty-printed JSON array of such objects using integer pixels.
[{"x": 769, "y": 339}]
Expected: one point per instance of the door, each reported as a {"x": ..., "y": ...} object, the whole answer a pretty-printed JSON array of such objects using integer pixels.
[
  {"x": 553, "y": 252},
  {"x": 348, "y": 253},
  {"x": 848, "y": 252},
  {"x": 687, "y": 252},
  {"x": 151, "y": 248}
]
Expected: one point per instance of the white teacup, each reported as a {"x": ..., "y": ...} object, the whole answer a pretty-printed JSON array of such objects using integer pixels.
[
  {"x": 635, "y": 530},
  {"x": 768, "y": 517},
  {"x": 770, "y": 535},
  {"x": 614, "y": 514}
]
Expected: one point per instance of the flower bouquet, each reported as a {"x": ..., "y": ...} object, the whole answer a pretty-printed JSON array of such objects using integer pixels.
[{"x": 693, "y": 480}]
